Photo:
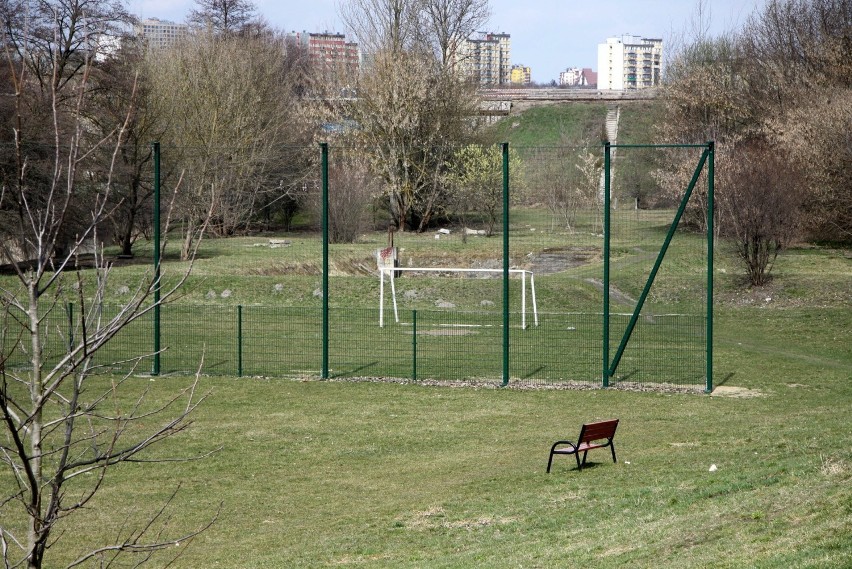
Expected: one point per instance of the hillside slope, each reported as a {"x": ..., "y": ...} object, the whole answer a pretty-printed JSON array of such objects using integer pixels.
[{"x": 577, "y": 123}]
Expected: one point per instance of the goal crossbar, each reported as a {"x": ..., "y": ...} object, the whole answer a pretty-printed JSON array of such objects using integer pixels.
[{"x": 390, "y": 272}]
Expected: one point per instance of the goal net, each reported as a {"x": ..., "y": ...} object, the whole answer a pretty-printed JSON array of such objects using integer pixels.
[{"x": 389, "y": 272}]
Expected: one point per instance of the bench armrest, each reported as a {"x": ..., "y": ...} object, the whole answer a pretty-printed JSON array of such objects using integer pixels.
[{"x": 569, "y": 443}]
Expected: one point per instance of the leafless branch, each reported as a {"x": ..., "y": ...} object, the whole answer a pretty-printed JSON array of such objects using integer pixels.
[{"x": 134, "y": 542}]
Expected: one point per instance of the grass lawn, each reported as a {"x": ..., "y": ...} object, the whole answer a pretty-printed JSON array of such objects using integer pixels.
[
  {"x": 335, "y": 473},
  {"x": 330, "y": 474}
]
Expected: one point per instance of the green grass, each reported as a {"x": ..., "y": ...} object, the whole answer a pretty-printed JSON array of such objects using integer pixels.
[
  {"x": 553, "y": 125},
  {"x": 638, "y": 122},
  {"x": 332, "y": 473},
  {"x": 326, "y": 474}
]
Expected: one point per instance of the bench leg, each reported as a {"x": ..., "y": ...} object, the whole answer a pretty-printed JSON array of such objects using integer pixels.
[
  {"x": 580, "y": 466},
  {"x": 612, "y": 446},
  {"x": 549, "y": 462}
]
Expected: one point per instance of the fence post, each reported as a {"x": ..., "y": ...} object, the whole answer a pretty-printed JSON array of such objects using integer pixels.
[
  {"x": 710, "y": 247},
  {"x": 324, "y": 147},
  {"x": 239, "y": 340},
  {"x": 155, "y": 370},
  {"x": 606, "y": 230},
  {"x": 505, "y": 264},
  {"x": 414, "y": 345}
]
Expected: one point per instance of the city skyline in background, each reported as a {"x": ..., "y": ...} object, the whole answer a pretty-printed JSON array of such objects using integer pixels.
[{"x": 548, "y": 37}]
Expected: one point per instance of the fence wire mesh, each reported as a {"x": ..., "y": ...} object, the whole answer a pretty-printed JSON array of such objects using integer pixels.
[{"x": 252, "y": 304}]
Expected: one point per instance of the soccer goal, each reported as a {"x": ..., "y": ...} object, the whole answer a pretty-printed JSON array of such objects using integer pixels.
[{"x": 390, "y": 270}]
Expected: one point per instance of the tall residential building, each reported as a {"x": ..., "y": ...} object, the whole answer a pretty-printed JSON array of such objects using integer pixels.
[
  {"x": 521, "y": 75},
  {"x": 485, "y": 58},
  {"x": 629, "y": 62},
  {"x": 330, "y": 54},
  {"x": 159, "y": 33}
]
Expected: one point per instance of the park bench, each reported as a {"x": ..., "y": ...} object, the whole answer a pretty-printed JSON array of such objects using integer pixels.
[{"x": 591, "y": 436}]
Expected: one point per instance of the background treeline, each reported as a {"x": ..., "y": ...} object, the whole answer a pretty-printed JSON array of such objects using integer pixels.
[{"x": 777, "y": 97}]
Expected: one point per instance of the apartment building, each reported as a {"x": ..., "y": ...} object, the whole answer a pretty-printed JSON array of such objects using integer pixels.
[
  {"x": 330, "y": 54},
  {"x": 485, "y": 58},
  {"x": 520, "y": 75},
  {"x": 159, "y": 33},
  {"x": 629, "y": 62},
  {"x": 577, "y": 77}
]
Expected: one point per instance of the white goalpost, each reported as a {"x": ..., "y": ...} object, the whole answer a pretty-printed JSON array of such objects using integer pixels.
[{"x": 385, "y": 270}]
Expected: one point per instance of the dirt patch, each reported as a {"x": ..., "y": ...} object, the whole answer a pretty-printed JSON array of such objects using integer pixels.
[
  {"x": 429, "y": 519},
  {"x": 555, "y": 260},
  {"x": 740, "y": 392},
  {"x": 834, "y": 467},
  {"x": 338, "y": 268},
  {"x": 278, "y": 268},
  {"x": 446, "y": 332},
  {"x": 480, "y": 522}
]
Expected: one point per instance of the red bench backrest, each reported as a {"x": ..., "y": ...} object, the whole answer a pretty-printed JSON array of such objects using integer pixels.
[{"x": 597, "y": 431}]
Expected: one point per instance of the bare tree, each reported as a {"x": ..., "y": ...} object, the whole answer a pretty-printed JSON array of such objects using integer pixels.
[
  {"x": 382, "y": 25},
  {"x": 412, "y": 109},
  {"x": 760, "y": 203},
  {"x": 449, "y": 22},
  {"x": 706, "y": 97},
  {"x": 54, "y": 37},
  {"x": 61, "y": 430},
  {"x": 411, "y": 116},
  {"x": 436, "y": 26},
  {"x": 223, "y": 16},
  {"x": 352, "y": 188},
  {"x": 818, "y": 133},
  {"x": 800, "y": 74},
  {"x": 229, "y": 109},
  {"x": 590, "y": 166},
  {"x": 50, "y": 43},
  {"x": 118, "y": 80},
  {"x": 705, "y": 94},
  {"x": 566, "y": 179},
  {"x": 785, "y": 71}
]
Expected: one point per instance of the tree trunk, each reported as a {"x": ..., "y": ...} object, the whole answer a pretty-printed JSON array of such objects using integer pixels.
[
  {"x": 35, "y": 534},
  {"x": 188, "y": 240}
]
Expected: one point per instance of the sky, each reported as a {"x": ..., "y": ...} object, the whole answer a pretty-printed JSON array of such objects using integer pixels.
[{"x": 547, "y": 35}]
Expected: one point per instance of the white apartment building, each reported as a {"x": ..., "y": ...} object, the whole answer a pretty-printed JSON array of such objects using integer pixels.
[
  {"x": 570, "y": 76},
  {"x": 629, "y": 62},
  {"x": 159, "y": 33},
  {"x": 577, "y": 77}
]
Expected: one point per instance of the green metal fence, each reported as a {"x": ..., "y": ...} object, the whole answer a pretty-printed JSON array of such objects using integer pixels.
[
  {"x": 282, "y": 341},
  {"x": 585, "y": 220}
]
